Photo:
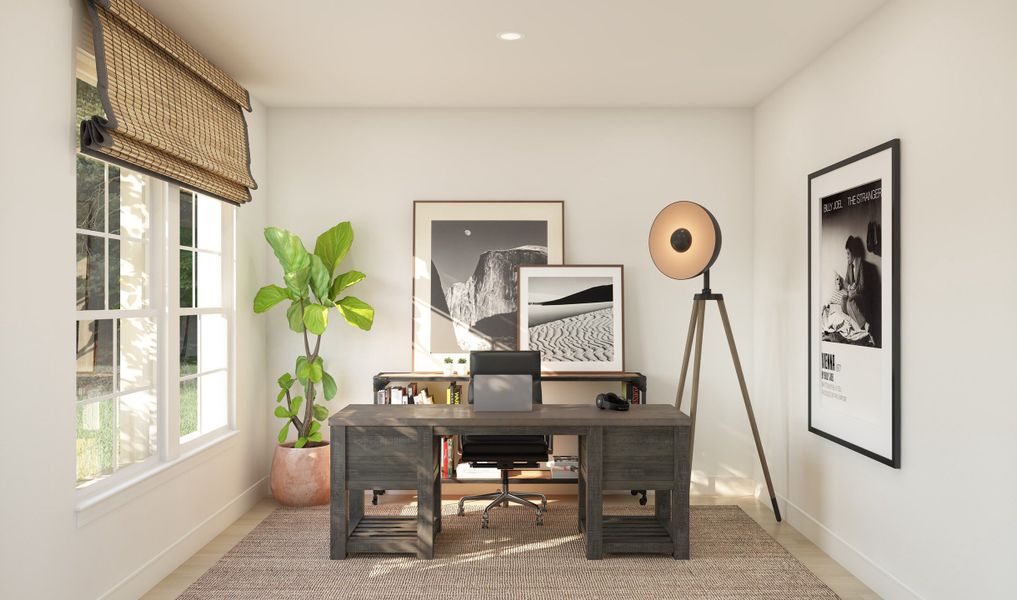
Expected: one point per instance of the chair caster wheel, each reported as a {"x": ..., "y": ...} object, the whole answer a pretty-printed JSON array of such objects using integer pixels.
[
  {"x": 633, "y": 492},
  {"x": 485, "y": 521},
  {"x": 460, "y": 511},
  {"x": 540, "y": 519},
  {"x": 642, "y": 501}
]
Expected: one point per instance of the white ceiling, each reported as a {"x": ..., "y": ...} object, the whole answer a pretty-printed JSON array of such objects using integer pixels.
[{"x": 576, "y": 53}]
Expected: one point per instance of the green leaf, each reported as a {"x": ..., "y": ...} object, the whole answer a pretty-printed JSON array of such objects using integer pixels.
[
  {"x": 295, "y": 317},
  {"x": 284, "y": 432},
  {"x": 282, "y": 394},
  {"x": 346, "y": 280},
  {"x": 329, "y": 386},
  {"x": 281, "y": 412},
  {"x": 300, "y": 443},
  {"x": 267, "y": 297},
  {"x": 333, "y": 245},
  {"x": 295, "y": 405},
  {"x": 320, "y": 412},
  {"x": 315, "y": 437},
  {"x": 285, "y": 381},
  {"x": 315, "y": 427},
  {"x": 319, "y": 278},
  {"x": 288, "y": 249},
  {"x": 356, "y": 312},
  {"x": 303, "y": 370},
  {"x": 316, "y": 318},
  {"x": 317, "y": 373},
  {"x": 296, "y": 281}
]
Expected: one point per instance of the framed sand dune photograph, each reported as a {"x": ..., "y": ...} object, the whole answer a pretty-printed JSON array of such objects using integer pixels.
[{"x": 573, "y": 315}]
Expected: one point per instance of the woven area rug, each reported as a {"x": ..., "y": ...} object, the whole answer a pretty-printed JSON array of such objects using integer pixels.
[{"x": 286, "y": 556}]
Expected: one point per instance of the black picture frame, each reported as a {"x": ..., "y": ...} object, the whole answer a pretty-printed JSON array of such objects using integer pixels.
[{"x": 888, "y": 151}]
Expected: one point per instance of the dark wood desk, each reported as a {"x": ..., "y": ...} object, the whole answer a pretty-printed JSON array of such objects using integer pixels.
[{"x": 396, "y": 447}]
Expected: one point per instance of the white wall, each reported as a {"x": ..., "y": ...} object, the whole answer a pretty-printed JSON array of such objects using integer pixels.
[
  {"x": 941, "y": 76},
  {"x": 43, "y": 553},
  {"x": 615, "y": 169}
]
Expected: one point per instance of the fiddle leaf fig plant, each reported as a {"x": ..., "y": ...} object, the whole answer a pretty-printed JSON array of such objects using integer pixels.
[{"x": 313, "y": 289}]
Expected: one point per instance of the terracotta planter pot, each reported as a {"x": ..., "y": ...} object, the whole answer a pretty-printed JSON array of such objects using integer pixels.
[{"x": 300, "y": 476}]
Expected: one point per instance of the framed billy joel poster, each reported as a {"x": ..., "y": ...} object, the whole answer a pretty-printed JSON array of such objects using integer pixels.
[{"x": 854, "y": 341}]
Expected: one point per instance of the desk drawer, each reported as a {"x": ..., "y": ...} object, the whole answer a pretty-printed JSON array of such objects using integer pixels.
[
  {"x": 381, "y": 457},
  {"x": 639, "y": 458}
]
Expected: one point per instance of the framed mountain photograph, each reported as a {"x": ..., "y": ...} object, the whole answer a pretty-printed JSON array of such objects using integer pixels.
[
  {"x": 574, "y": 315},
  {"x": 854, "y": 303},
  {"x": 465, "y": 259}
]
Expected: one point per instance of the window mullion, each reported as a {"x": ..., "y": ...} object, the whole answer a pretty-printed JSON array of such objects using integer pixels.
[
  {"x": 169, "y": 401},
  {"x": 229, "y": 299}
]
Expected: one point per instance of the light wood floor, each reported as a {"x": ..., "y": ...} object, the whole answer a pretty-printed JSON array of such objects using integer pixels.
[{"x": 825, "y": 568}]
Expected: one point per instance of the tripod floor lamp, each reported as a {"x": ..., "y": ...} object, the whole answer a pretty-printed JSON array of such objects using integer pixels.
[{"x": 684, "y": 243}]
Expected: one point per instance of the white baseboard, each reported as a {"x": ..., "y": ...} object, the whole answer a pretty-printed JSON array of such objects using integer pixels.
[
  {"x": 849, "y": 557},
  {"x": 152, "y": 572}
]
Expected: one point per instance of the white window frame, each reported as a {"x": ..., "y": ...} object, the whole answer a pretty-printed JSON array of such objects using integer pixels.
[
  {"x": 170, "y": 439},
  {"x": 171, "y": 456}
]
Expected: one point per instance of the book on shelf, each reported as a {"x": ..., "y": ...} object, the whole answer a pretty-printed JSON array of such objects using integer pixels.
[
  {"x": 564, "y": 467},
  {"x": 466, "y": 471}
]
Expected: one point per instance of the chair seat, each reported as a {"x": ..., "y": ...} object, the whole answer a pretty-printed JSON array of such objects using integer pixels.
[{"x": 523, "y": 446}]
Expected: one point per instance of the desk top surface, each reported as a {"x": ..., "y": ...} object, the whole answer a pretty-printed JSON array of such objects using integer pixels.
[{"x": 445, "y": 415}]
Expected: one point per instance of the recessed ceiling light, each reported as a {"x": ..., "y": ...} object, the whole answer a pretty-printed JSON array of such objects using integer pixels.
[{"x": 510, "y": 36}]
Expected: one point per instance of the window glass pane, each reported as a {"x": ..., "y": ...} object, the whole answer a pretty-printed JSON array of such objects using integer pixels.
[
  {"x": 131, "y": 201},
  {"x": 209, "y": 213},
  {"x": 137, "y": 350},
  {"x": 186, "y": 279},
  {"x": 128, "y": 277},
  {"x": 138, "y": 427},
  {"x": 209, "y": 280},
  {"x": 91, "y": 184},
  {"x": 96, "y": 438},
  {"x": 188, "y": 407},
  {"x": 114, "y": 274},
  {"x": 188, "y": 344},
  {"x": 88, "y": 104},
  {"x": 94, "y": 358},
  {"x": 113, "y": 185},
  {"x": 91, "y": 273},
  {"x": 186, "y": 218},
  {"x": 213, "y": 401},
  {"x": 213, "y": 343}
]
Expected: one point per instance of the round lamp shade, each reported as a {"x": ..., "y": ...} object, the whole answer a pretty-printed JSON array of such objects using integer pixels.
[{"x": 684, "y": 240}]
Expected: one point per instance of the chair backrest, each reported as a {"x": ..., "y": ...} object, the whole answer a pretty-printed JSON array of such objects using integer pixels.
[{"x": 505, "y": 362}]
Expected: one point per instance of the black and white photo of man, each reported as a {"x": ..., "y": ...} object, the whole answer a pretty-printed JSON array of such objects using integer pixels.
[{"x": 849, "y": 251}]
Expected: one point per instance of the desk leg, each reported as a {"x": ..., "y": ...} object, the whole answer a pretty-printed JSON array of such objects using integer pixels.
[
  {"x": 339, "y": 529},
  {"x": 425, "y": 493},
  {"x": 582, "y": 484},
  {"x": 355, "y": 501},
  {"x": 594, "y": 493},
  {"x": 680, "y": 497},
  {"x": 662, "y": 507}
]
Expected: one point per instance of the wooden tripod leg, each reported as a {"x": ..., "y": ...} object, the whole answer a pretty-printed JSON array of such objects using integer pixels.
[
  {"x": 695, "y": 375},
  {"x": 748, "y": 405},
  {"x": 685, "y": 361}
]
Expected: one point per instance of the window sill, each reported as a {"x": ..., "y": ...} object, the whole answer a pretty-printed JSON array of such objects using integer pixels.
[{"x": 92, "y": 504}]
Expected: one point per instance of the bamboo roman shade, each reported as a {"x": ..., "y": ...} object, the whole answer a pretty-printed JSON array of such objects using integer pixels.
[{"x": 169, "y": 111}]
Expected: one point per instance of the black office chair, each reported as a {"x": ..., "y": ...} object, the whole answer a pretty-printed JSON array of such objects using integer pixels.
[{"x": 505, "y": 451}]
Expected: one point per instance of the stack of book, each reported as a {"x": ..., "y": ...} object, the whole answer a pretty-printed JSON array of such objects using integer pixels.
[
  {"x": 412, "y": 393},
  {"x": 564, "y": 467},
  {"x": 449, "y": 456}
]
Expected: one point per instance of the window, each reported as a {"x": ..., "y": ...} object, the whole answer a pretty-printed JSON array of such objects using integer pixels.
[
  {"x": 202, "y": 316},
  {"x": 148, "y": 254}
]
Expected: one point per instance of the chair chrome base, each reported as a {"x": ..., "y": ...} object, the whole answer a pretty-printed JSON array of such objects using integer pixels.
[{"x": 504, "y": 496}]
